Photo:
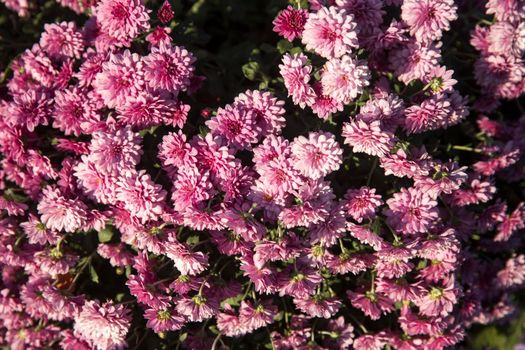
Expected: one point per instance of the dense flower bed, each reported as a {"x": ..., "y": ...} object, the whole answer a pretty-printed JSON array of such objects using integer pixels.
[{"x": 361, "y": 188}]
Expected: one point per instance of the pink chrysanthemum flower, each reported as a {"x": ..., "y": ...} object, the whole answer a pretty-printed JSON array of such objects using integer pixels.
[
  {"x": 163, "y": 320},
  {"x": 414, "y": 60},
  {"x": 290, "y": 22},
  {"x": 268, "y": 110},
  {"x": 197, "y": 308},
  {"x": 95, "y": 183},
  {"x": 506, "y": 10},
  {"x": 117, "y": 254},
  {"x": 228, "y": 322},
  {"x": 300, "y": 283},
  {"x": 213, "y": 155},
  {"x": 62, "y": 40},
  {"x": 39, "y": 65},
  {"x": 37, "y": 232},
  {"x": 72, "y": 108},
  {"x": 169, "y": 68},
  {"x": 159, "y": 36},
  {"x": 316, "y": 156},
  {"x": 191, "y": 187},
  {"x": 362, "y": 203},
  {"x": 31, "y": 108},
  {"x": 122, "y": 19},
  {"x": 175, "y": 151},
  {"x": 514, "y": 272},
  {"x": 438, "y": 300},
  {"x": 324, "y": 105},
  {"x": 121, "y": 77},
  {"x": 372, "y": 304},
  {"x": 345, "y": 78},
  {"x": 411, "y": 211},
  {"x": 103, "y": 326},
  {"x": 318, "y": 305},
  {"x": 368, "y": 138},
  {"x": 165, "y": 13},
  {"x": 236, "y": 125},
  {"x": 141, "y": 196},
  {"x": 254, "y": 317},
  {"x": 433, "y": 113},
  {"x": 60, "y": 213},
  {"x": 368, "y": 14},
  {"x": 439, "y": 79},
  {"x": 146, "y": 110},
  {"x": 428, "y": 19},
  {"x": 90, "y": 67},
  {"x": 296, "y": 74},
  {"x": 188, "y": 262},
  {"x": 115, "y": 152},
  {"x": 500, "y": 74},
  {"x": 330, "y": 32}
]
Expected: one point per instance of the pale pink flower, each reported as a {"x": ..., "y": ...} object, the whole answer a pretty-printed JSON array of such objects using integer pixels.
[
  {"x": 197, "y": 308},
  {"x": 414, "y": 60},
  {"x": 191, "y": 187},
  {"x": 372, "y": 304},
  {"x": 438, "y": 300},
  {"x": 236, "y": 125},
  {"x": 175, "y": 151},
  {"x": 122, "y": 19},
  {"x": 103, "y": 326},
  {"x": 60, "y": 213},
  {"x": 411, "y": 211},
  {"x": 345, "y": 78},
  {"x": 330, "y": 32},
  {"x": 513, "y": 274},
  {"x": 146, "y": 110},
  {"x": 506, "y": 10},
  {"x": 95, "y": 183},
  {"x": 163, "y": 320},
  {"x": 72, "y": 108},
  {"x": 296, "y": 74},
  {"x": 141, "y": 196},
  {"x": 428, "y": 19},
  {"x": 62, "y": 40},
  {"x": 316, "y": 156},
  {"x": 268, "y": 110},
  {"x": 324, "y": 105},
  {"x": 362, "y": 203},
  {"x": 169, "y": 68},
  {"x": 368, "y": 138},
  {"x": 115, "y": 152},
  {"x": 121, "y": 77}
]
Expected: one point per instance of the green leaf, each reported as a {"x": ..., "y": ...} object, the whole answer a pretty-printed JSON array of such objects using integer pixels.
[
  {"x": 250, "y": 70},
  {"x": 93, "y": 274},
  {"x": 105, "y": 234},
  {"x": 284, "y": 46},
  {"x": 295, "y": 50},
  {"x": 192, "y": 240}
]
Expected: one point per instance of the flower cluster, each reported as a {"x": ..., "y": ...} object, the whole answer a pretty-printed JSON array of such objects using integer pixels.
[{"x": 231, "y": 228}]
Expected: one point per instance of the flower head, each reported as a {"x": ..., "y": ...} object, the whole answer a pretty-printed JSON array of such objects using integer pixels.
[
  {"x": 330, "y": 32},
  {"x": 290, "y": 22},
  {"x": 104, "y": 326}
]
